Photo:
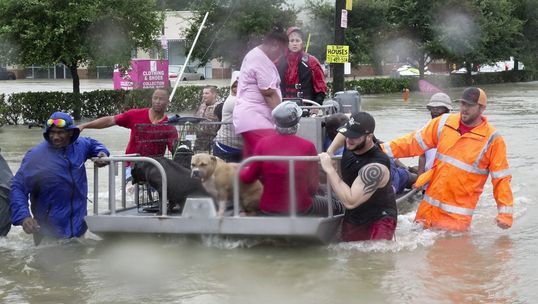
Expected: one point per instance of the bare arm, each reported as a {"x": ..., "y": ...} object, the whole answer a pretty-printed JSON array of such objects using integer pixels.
[
  {"x": 99, "y": 123},
  {"x": 271, "y": 97},
  {"x": 370, "y": 178},
  {"x": 338, "y": 142}
]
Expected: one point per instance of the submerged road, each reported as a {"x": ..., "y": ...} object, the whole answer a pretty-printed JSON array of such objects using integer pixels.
[{"x": 486, "y": 265}]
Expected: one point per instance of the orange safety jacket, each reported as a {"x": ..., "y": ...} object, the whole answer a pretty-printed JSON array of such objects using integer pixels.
[{"x": 460, "y": 170}]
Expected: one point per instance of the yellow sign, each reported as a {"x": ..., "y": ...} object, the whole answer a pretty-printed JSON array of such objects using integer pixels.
[
  {"x": 349, "y": 4},
  {"x": 337, "y": 53}
]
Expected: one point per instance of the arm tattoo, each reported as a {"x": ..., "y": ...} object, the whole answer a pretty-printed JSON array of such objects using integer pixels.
[{"x": 371, "y": 176}]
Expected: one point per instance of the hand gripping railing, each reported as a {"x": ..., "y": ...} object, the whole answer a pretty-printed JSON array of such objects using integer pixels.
[
  {"x": 112, "y": 181},
  {"x": 291, "y": 171}
]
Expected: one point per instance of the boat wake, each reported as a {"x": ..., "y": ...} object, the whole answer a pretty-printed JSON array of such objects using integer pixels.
[{"x": 408, "y": 237}]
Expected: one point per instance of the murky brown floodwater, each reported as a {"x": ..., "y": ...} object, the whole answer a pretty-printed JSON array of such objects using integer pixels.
[{"x": 487, "y": 265}]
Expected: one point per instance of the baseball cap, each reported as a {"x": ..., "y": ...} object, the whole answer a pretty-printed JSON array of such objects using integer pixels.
[
  {"x": 287, "y": 114},
  {"x": 359, "y": 124},
  {"x": 473, "y": 96},
  {"x": 440, "y": 100}
]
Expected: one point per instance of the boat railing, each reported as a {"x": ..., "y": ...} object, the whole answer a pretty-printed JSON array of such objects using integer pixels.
[
  {"x": 115, "y": 160},
  {"x": 112, "y": 172},
  {"x": 291, "y": 171}
]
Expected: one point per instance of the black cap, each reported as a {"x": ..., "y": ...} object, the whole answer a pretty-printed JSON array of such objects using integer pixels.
[
  {"x": 473, "y": 96},
  {"x": 359, "y": 124}
]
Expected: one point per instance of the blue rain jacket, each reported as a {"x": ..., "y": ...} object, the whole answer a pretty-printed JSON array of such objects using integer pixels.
[{"x": 55, "y": 181}]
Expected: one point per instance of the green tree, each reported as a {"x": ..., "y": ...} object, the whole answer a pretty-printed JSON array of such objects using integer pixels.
[
  {"x": 320, "y": 26},
  {"x": 412, "y": 23},
  {"x": 478, "y": 31},
  {"x": 174, "y": 5},
  {"x": 527, "y": 45},
  {"x": 233, "y": 27},
  {"x": 367, "y": 25},
  {"x": 77, "y": 32},
  {"x": 367, "y": 28}
]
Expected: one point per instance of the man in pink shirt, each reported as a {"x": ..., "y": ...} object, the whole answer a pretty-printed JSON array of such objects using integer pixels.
[
  {"x": 149, "y": 135},
  {"x": 258, "y": 91}
]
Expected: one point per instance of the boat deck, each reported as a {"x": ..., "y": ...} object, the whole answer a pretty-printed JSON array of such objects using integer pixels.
[{"x": 131, "y": 221}]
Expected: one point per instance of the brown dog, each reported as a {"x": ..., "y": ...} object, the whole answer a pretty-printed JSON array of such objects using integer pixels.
[{"x": 217, "y": 177}]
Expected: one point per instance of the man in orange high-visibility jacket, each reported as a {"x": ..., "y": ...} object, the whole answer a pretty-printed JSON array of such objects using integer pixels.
[{"x": 468, "y": 150}]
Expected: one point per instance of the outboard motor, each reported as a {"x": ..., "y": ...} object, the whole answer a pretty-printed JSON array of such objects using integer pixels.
[{"x": 348, "y": 101}]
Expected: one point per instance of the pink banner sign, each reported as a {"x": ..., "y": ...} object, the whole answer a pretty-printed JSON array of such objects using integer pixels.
[
  {"x": 142, "y": 74},
  {"x": 427, "y": 87}
]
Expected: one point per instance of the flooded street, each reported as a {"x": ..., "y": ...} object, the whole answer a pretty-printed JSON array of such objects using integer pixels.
[{"x": 486, "y": 265}]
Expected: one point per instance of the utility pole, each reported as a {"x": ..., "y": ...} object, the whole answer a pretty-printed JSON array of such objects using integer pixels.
[{"x": 338, "y": 68}]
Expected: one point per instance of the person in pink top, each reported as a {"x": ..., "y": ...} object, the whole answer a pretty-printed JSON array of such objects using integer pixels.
[
  {"x": 150, "y": 136},
  {"x": 258, "y": 90},
  {"x": 274, "y": 174}
]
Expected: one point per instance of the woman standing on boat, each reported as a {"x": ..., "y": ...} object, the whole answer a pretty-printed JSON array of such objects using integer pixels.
[
  {"x": 258, "y": 91},
  {"x": 301, "y": 73}
]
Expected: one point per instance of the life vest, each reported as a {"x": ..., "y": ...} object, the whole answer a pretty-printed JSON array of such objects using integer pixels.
[
  {"x": 461, "y": 167},
  {"x": 383, "y": 202}
]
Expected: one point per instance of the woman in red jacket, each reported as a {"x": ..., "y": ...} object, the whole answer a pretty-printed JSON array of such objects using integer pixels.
[{"x": 300, "y": 72}]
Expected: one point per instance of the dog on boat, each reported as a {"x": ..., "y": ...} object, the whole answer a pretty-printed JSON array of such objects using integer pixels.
[
  {"x": 217, "y": 178},
  {"x": 180, "y": 184}
]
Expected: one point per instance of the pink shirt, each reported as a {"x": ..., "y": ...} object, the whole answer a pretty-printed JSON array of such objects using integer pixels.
[
  {"x": 251, "y": 112},
  {"x": 146, "y": 139}
]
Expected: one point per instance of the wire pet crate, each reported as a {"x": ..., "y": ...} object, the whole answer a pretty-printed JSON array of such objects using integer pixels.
[{"x": 199, "y": 137}]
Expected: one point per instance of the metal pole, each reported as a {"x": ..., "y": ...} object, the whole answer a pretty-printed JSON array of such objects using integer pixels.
[
  {"x": 293, "y": 197},
  {"x": 112, "y": 187},
  {"x": 339, "y": 39},
  {"x": 236, "y": 190},
  {"x": 329, "y": 200},
  {"x": 178, "y": 79},
  {"x": 95, "y": 190},
  {"x": 123, "y": 186}
]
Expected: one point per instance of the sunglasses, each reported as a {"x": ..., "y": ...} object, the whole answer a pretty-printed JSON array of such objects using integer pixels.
[{"x": 60, "y": 123}]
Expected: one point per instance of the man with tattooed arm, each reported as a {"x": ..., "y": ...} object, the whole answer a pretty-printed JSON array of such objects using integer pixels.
[{"x": 365, "y": 188}]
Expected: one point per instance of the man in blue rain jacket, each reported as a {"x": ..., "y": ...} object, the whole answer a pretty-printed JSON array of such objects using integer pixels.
[{"x": 53, "y": 176}]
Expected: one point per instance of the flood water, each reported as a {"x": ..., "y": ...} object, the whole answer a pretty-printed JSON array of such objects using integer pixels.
[{"x": 486, "y": 265}]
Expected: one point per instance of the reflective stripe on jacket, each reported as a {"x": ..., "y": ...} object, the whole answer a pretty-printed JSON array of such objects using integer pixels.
[{"x": 461, "y": 167}]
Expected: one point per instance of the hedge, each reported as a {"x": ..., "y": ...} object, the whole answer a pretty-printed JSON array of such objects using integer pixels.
[{"x": 37, "y": 106}]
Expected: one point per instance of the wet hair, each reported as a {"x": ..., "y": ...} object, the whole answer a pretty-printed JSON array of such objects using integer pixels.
[
  {"x": 277, "y": 34},
  {"x": 287, "y": 131},
  {"x": 212, "y": 88},
  {"x": 333, "y": 122},
  {"x": 296, "y": 30}
]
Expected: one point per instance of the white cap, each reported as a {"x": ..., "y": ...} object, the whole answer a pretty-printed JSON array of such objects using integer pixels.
[{"x": 440, "y": 100}]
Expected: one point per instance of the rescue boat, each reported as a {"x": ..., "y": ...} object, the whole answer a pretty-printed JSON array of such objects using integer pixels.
[{"x": 199, "y": 215}]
